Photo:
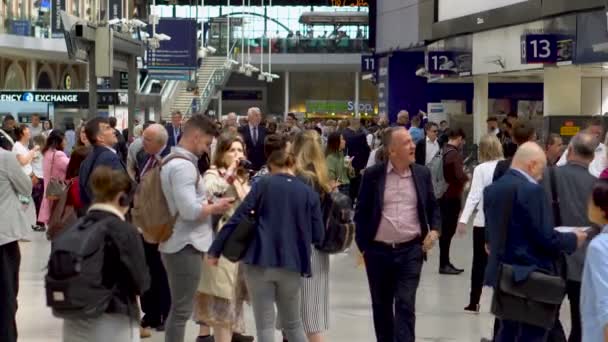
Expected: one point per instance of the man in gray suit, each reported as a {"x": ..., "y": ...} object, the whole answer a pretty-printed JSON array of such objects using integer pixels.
[
  {"x": 569, "y": 189},
  {"x": 15, "y": 190}
]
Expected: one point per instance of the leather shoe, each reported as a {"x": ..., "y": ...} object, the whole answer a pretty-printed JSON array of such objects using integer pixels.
[
  {"x": 448, "y": 270},
  {"x": 457, "y": 269}
]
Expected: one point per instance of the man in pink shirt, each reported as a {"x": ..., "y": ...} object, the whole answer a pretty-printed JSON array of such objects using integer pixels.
[{"x": 397, "y": 220}]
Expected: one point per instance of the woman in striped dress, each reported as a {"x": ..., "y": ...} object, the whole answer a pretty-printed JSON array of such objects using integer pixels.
[{"x": 311, "y": 166}]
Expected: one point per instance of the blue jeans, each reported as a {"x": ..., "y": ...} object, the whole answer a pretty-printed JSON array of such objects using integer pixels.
[{"x": 394, "y": 275}]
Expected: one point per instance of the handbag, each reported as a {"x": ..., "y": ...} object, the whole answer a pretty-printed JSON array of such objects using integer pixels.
[
  {"x": 56, "y": 187},
  {"x": 240, "y": 239},
  {"x": 535, "y": 300}
]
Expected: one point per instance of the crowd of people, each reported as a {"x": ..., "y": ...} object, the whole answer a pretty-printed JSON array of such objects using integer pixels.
[{"x": 216, "y": 182}]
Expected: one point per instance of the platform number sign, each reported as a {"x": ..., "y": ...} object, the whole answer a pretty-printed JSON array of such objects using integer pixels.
[
  {"x": 538, "y": 49},
  {"x": 441, "y": 62},
  {"x": 368, "y": 63}
]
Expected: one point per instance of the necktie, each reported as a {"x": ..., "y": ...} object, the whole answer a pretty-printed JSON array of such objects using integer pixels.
[
  {"x": 149, "y": 165},
  {"x": 175, "y": 134},
  {"x": 255, "y": 135}
]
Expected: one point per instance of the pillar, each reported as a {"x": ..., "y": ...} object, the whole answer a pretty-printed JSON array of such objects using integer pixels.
[
  {"x": 286, "y": 78},
  {"x": 92, "y": 86},
  {"x": 33, "y": 73},
  {"x": 562, "y": 91},
  {"x": 357, "y": 91},
  {"x": 480, "y": 106},
  {"x": 219, "y": 104},
  {"x": 132, "y": 61}
]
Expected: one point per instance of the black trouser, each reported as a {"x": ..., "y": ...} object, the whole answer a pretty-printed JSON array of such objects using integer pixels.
[
  {"x": 450, "y": 209},
  {"x": 10, "y": 259},
  {"x": 37, "y": 196},
  {"x": 394, "y": 275},
  {"x": 354, "y": 186},
  {"x": 156, "y": 302},
  {"x": 573, "y": 290},
  {"x": 480, "y": 260}
]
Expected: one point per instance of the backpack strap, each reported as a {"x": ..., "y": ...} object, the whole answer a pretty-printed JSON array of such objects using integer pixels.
[{"x": 179, "y": 156}]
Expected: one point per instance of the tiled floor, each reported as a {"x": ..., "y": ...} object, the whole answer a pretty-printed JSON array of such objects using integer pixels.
[{"x": 439, "y": 308}]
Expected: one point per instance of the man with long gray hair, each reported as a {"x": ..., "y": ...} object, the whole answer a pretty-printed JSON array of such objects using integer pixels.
[{"x": 568, "y": 188}]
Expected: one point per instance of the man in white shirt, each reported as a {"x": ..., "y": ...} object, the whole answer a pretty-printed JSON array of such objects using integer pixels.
[
  {"x": 36, "y": 127},
  {"x": 428, "y": 147},
  {"x": 192, "y": 234},
  {"x": 594, "y": 127}
]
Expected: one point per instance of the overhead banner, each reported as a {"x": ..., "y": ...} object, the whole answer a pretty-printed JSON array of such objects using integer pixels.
[
  {"x": 383, "y": 85},
  {"x": 56, "y": 7},
  {"x": 115, "y": 9},
  {"x": 71, "y": 99},
  {"x": 178, "y": 53}
]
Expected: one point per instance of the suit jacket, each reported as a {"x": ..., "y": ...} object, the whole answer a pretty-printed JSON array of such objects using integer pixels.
[
  {"x": 99, "y": 156},
  {"x": 171, "y": 141},
  {"x": 16, "y": 222},
  {"x": 574, "y": 186},
  {"x": 255, "y": 152},
  {"x": 421, "y": 152},
  {"x": 142, "y": 158},
  {"x": 368, "y": 212},
  {"x": 357, "y": 147},
  {"x": 532, "y": 243}
]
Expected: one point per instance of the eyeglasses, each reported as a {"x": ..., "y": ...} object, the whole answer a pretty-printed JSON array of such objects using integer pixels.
[{"x": 433, "y": 131}]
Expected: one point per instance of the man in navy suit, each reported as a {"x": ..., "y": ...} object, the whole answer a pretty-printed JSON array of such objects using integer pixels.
[
  {"x": 531, "y": 243},
  {"x": 397, "y": 221},
  {"x": 174, "y": 129},
  {"x": 102, "y": 137},
  {"x": 254, "y": 136}
]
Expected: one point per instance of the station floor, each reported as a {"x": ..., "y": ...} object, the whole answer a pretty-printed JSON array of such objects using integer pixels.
[{"x": 440, "y": 302}]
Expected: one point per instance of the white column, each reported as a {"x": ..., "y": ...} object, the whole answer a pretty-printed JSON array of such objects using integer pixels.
[
  {"x": 357, "y": 91},
  {"x": 33, "y": 74},
  {"x": 562, "y": 91},
  {"x": 480, "y": 107},
  {"x": 286, "y": 78}
]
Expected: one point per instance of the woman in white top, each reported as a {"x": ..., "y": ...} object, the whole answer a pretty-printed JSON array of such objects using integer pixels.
[
  {"x": 25, "y": 158},
  {"x": 490, "y": 152}
]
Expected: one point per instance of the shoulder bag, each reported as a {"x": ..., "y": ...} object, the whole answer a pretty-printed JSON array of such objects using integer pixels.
[
  {"x": 56, "y": 187},
  {"x": 240, "y": 239},
  {"x": 535, "y": 300}
]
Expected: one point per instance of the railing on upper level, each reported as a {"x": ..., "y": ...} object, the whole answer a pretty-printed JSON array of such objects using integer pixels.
[{"x": 302, "y": 45}]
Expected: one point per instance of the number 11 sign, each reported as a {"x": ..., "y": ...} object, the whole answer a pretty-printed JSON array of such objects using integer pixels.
[{"x": 539, "y": 49}]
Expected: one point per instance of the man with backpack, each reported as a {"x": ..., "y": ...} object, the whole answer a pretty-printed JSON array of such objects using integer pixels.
[
  {"x": 451, "y": 201},
  {"x": 192, "y": 233},
  {"x": 101, "y": 135},
  {"x": 156, "y": 302},
  {"x": 15, "y": 187}
]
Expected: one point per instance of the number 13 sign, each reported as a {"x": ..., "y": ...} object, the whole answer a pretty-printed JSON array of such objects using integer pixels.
[{"x": 539, "y": 49}]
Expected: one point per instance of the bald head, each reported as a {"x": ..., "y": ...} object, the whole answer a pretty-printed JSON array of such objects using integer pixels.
[
  {"x": 155, "y": 139},
  {"x": 531, "y": 159}
]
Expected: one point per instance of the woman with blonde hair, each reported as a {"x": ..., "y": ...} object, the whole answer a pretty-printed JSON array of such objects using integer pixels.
[
  {"x": 312, "y": 168},
  {"x": 222, "y": 291},
  {"x": 489, "y": 153}
]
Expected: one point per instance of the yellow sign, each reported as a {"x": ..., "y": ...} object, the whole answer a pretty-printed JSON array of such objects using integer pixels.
[{"x": 569, "y": 131}]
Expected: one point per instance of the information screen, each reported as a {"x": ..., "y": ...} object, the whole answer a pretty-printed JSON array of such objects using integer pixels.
[{"x": 451, "y": 9}]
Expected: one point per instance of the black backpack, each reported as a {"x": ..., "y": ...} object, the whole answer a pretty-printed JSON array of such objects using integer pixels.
[
  {"x": 74, "y": 282},
  {"x": 339, "y": 226}
]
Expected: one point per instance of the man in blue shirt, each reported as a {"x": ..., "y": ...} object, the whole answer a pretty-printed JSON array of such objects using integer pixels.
[{"x": 416, "y": 132}]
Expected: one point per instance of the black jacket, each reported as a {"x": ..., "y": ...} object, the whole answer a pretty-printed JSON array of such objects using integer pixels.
[
  {"x": 125, "y": 267},
  {"x": 421, "y": 152},
  {"x": 368, "y": 212},
  {"x": 255, "y": 152},
  {"x": 357, "y": 147}
]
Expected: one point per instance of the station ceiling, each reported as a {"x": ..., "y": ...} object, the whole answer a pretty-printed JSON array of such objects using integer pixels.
[{"x": 362, "y": 3}]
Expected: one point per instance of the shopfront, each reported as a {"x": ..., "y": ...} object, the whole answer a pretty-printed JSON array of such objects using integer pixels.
[{"x": 62, "y": 107}]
